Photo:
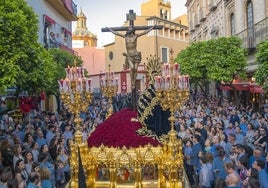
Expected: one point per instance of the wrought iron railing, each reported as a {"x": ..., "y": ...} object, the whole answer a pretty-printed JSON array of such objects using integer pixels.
[{"x": 251, "y": 37}]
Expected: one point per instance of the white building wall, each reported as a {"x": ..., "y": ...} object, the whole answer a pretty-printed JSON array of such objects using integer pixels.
[{"x": 41, "y": 8}]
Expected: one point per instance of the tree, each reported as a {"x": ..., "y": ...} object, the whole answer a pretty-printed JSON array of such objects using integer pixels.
[
  {"x": 261, "y": 73},
  {"x": 24, "y": 62},
  {"x": 62, "y": 59},
  {"x": 218, "y": 60}
]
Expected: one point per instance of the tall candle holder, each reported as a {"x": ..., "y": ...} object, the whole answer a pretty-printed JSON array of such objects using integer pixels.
[
  {"x": 172, "y": 90},
  {"x": 109, "y": 87},
  {"x": 75, "y": 92}
]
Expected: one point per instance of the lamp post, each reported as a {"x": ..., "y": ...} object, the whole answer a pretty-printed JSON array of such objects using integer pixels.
[{"x": 109, "y": 87}]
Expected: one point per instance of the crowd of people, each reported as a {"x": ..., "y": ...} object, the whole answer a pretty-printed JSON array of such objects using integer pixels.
[{"x": 225, "y": 145}]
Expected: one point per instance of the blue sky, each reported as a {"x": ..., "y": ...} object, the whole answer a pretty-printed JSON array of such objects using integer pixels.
[{"x": 112, "y": 13}]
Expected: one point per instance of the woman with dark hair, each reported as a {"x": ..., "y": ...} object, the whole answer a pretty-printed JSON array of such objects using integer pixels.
[
  {"x": 242, "y": 164},
  {"x": 28, "y": 161},
  {"x": 17, "y": 154},
  {"x": 20, "y": 168},
  {"x": 53, "y": 148},
  {"x": 252, "y": 179},
  {"x": 44, "y": 149}
]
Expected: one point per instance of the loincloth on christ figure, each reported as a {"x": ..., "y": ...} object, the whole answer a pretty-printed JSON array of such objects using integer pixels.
[{"x": 132, "y": 60}]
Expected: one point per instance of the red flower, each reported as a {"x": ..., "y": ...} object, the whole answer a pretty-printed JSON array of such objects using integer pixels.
[{"x": 119, "y": 131}]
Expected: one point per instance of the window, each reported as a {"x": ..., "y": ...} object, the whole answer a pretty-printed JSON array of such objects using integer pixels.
[
  {"x": 250, "y": 24},
  {"x": 232, "y": 20},
  {"x": 164, "y": 52}
]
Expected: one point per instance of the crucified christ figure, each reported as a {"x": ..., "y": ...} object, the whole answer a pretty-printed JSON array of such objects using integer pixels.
[{"x": 133, "y": 57}]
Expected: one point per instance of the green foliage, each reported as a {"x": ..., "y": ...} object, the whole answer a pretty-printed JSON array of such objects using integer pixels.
[
  {"x": 24, "y": 62},
  {"x": 214, "y": 60},
  {"x": 261, "y": 73},
  {"x": 62, "y": 59}
]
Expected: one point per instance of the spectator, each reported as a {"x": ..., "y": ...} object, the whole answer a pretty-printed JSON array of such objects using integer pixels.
[
  {"x": 249, "y": 138},
  {"x": 263, "y": 139},
  {"x": 42, "y": 158},
  {"x": 51, "y": 133},
  {"x": 28, "y": 161},
  {"x": 239, "y": 137},
  {"x": 188, "y": 164},
  {"x": 7, "y": 154},
  {"x": 6, "y": 176},
  {"x": 205, "y": 174},
  {"x": 33, "y": 180},
  {"x": 242, "y": 165},
  {"x": 17, "y": 154},
  {"x": 194, "y": 155},
  {"x": 60, "y": 176},
  {"x": 45, "y": 174},
  {"x": 20, "y": 168},
  {"x": 263, "y": 176},
  {"x": 218, "y": 168},
  {"x": 257, "y": 155},
  {"x": 252, "y": 179},
  {"x": 232, "y": 179}
]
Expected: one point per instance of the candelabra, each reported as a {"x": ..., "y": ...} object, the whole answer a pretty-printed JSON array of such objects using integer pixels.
[
  {"x": 172, "y": 90},
  {"x": 75, "y": 91},
  {"x": 109, "y": 87}
]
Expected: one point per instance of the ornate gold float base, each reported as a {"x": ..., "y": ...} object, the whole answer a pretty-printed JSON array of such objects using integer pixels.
[{"x": 143, "y": 167}]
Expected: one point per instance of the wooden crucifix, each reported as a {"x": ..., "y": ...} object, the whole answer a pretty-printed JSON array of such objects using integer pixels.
[{"x": 133, "y": 57}]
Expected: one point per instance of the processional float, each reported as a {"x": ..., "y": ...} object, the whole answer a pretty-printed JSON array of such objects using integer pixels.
[{"x": 148, "y": 166}]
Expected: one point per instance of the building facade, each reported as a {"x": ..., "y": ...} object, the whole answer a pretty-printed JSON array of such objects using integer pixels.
[
  {"x": 85, "y": 44},
  {"x": 55, "y": 31},
  {"x": 82, "y": 36},
  {"x": 55, "y": 22},
  {"x": 246, "y": 19},
  {"x": 174, "y": 35}
]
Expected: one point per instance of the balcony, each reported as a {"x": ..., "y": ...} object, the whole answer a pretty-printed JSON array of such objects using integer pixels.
[
  {"x": 192, "y": 29},
  {"x": 67, "y": 8},
  {"x": 212, "y": 5},
  {"x": 55, "y": 44},
  {"x": 202, "y": 16},
  {"x": 251, "y": 37},
  {"x": 196, "y": 22}
]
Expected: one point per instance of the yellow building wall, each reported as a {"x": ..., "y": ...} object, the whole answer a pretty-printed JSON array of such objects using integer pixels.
[
  {"x": 152, "y": 8},
  {"x": 149, "y": 44}
]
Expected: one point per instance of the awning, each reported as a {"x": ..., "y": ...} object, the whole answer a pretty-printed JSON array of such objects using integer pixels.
[
  {"x": 69, "y": 5},
  {"x": 225, "y": 87},
  {"x": 49, "y": 19},
  {"x": 255, "y": 89},
  {"x": 241, "y": 87}
]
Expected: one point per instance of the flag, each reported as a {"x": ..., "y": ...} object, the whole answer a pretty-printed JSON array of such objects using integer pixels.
[{"x": 81, "y": 175}]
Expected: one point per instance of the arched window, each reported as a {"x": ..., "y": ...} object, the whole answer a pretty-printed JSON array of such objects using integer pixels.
[
  {"x": 250, "y": 24},
  {"x": 232, "y": 22}
]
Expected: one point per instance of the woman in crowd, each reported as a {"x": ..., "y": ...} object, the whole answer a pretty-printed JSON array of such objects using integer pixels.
[
  {"x": 20, "y": 168},
  {"x": 17, "y": 154},
  {"x": 28, "y": 161}
]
